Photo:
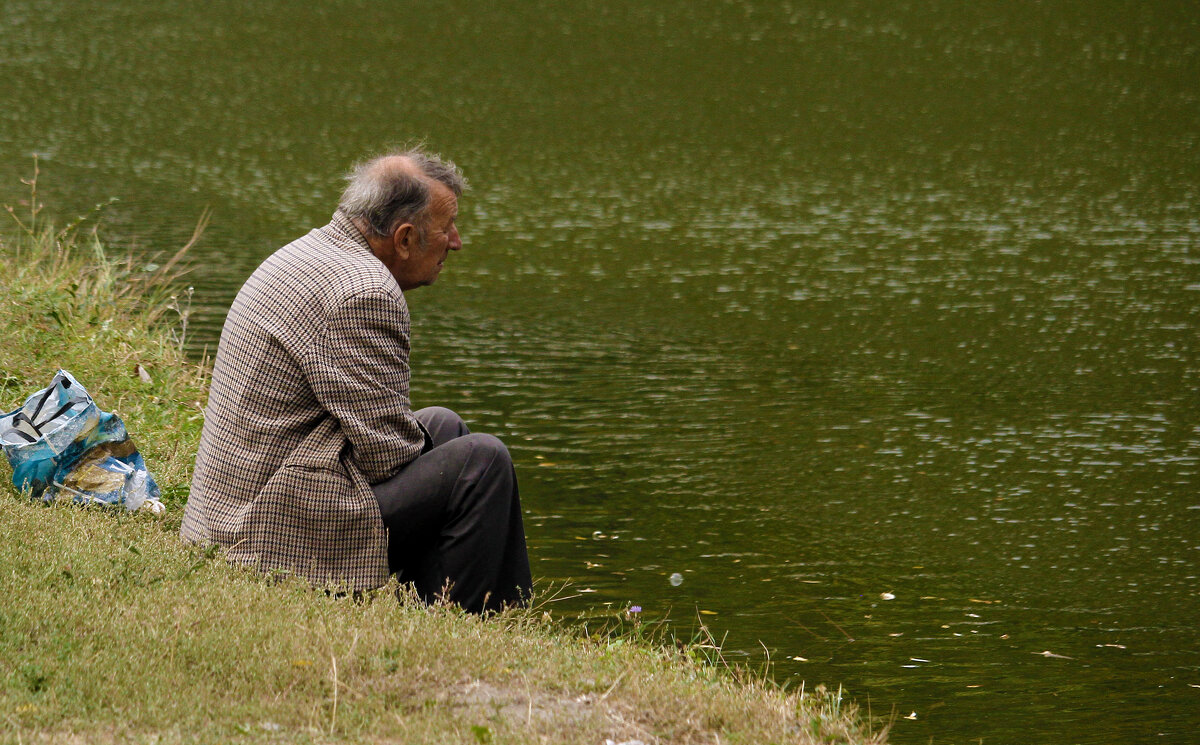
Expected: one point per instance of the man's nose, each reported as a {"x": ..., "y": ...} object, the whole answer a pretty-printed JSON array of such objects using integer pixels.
[{"x": 455, "y": 239}]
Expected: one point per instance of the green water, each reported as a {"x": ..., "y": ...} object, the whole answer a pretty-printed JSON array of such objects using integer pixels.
[{"x": 812, "y": 304}]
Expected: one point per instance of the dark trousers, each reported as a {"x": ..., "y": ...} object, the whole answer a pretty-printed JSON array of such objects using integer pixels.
[{"x": 453, "y": 517}]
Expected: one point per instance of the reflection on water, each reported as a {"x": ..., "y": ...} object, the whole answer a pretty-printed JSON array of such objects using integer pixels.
[{"x": 874, "y": 325}]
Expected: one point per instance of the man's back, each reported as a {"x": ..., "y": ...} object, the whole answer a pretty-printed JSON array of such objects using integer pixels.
[{"x": 308, "y": 406}]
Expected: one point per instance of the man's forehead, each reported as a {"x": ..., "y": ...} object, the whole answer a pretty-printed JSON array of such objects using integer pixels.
[{"x": 442, "y": 198}]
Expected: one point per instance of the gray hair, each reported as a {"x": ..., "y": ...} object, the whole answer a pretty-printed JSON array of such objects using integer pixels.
[{"x": 385, "y": 197}]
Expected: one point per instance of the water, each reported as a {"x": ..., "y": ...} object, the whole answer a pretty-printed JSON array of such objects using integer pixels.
[{"x": 864, "y": 335}]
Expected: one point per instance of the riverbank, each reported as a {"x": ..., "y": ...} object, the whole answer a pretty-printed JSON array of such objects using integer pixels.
[{"x": 112, "y": 630}]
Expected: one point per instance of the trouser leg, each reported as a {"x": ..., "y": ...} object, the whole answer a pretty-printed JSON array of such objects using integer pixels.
[
  {"x": 442, "y": 424},
  {"x": 454, "y": 515}
]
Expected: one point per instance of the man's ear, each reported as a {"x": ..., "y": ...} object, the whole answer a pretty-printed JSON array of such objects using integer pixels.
[{"x": 404, "y": 240}]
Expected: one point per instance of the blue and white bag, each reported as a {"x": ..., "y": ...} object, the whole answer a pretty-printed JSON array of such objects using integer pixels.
[{"x": 62, "y": 446}]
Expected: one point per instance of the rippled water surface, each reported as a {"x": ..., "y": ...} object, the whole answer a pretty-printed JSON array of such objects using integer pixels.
[{"x": 875, "y": 323}]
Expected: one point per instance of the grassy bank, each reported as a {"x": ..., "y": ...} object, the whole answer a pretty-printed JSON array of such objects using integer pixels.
[{"x": 112, "y": 630}]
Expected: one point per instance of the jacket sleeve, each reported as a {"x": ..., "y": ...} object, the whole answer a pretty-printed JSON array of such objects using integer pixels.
[{"x": 358, "y": 369}]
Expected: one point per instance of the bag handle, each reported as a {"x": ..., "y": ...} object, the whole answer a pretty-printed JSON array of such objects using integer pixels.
[{"x": 21, "y": 417}]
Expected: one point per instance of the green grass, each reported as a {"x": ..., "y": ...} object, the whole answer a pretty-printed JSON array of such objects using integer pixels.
[{"x": 112, "y": 630}]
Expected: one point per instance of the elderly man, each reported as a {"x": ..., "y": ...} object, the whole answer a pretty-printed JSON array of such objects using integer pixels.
[{"x": 311, "y": 459}]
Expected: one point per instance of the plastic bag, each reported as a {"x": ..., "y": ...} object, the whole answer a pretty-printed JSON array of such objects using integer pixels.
[{"x": 62, "y": 446}]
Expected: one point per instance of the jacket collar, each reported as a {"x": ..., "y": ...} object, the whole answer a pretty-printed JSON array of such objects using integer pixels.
[{"x": 345, "y": 229}]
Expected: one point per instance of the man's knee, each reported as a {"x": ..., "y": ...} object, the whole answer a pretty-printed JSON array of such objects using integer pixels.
[
  {"x": 489, "y": 461},
  {"x": 486, "y": 483},
  {"x": 489, "y": 451},
  {"x": 437, "y": 414},
  {"x": 442, "y": 423}
]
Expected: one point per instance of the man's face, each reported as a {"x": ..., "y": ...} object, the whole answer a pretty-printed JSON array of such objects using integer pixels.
[{"x": 420, "y": 259}]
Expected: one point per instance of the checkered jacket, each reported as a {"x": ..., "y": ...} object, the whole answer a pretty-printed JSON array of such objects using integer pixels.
[{"x": 308, "y": 406}]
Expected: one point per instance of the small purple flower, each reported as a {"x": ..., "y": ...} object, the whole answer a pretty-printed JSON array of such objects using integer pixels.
[{"x": 635, "y": 609}]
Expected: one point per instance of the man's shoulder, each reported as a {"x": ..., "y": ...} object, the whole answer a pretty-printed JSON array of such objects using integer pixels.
[
  {"x": 326, "y": 263},
  {"x": 299, "y": 288}
]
